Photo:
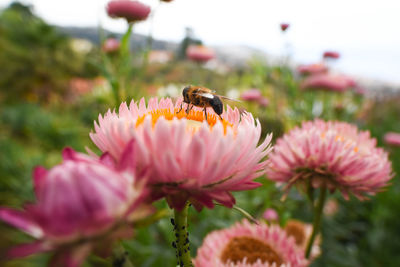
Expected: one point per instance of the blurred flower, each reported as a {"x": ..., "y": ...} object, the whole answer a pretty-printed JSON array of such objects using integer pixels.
[
  {"x": 247, "y": 245},
  {"x": 392, "y": 139},
  {"x": 301, "y": 232},
  {"x": 284, "y": 26},
  {"x": 359, "y": 90},
  {"x": 79, "y": 202},
  {"x": 251, "y": 95},
  {"x": 199, "y": 53},
  {"x": 312, "y": 69},
  {"x": 166, "y": 1},
  {"x": 270, "y": 215},
  {"x": 331, "y": 154},
  {"x": 132, "y": 11},
  {"x": 171, "y": 90},
  {"x": 330, "y": 82},
  {"x": 331, "y": 54},
  {"x": 254, "y": 95},
  {"x": 188, "y": 157},
  {"x": 331, "y": 207},
  {"x": 110, "y": 45}
]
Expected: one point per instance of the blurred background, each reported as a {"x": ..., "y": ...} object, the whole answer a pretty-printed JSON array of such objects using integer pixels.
[{"x": 64, "y": 62}]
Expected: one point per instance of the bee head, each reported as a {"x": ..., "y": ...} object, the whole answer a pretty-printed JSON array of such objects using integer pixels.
[{"x": 217, "y": 105}]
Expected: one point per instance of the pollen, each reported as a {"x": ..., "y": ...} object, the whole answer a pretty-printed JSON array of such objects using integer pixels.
[
  {"x": 193, "y": 116},
  {"x": 250, "y": 248}
]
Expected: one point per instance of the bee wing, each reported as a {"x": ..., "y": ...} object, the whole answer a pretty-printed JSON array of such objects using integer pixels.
[
  {"x": 206, "y": 95},
  {"x": 230, "y": 99}
]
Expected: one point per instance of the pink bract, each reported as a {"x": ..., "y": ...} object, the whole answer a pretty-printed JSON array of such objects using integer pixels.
[
  {"x": 312, "y": 69},
  {"x": 249, "y": 245},
  {"x": 111, "y": 45},
  {"x": 392, "y": 138},
  {"x": 270, "y": 215},
  {"x": 251, "y": 95},
  {"x": 79, "y": 202},
  {"x": 132, "y": 11},
  {"x": 186, "y": 156},
  {"x": 331, "y": 54},
  {"x": 284, "y": 26},
  {"x": 332, "y": 154},
  {"x": 330, "y": 82},
  {"x": 199, "y": 53}
]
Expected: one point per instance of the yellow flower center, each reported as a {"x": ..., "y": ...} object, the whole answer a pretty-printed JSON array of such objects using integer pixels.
[
  {"x": 194, "y": 117},
  {"x": 250, "y": 248},
  {"x": 340, "y": 138}
]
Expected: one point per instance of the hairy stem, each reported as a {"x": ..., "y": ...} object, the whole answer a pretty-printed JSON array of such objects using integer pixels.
[
  {"x": 317, "y": 219},
  {"x": 182, "y": 237}
]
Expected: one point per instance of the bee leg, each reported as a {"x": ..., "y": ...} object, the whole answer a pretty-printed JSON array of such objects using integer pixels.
[
  {"x": 180, "y": 108},
  {"x": 205, "y": 112},
  {"x": 189, "y": 108},
  {"x": 220, "y": 117}
]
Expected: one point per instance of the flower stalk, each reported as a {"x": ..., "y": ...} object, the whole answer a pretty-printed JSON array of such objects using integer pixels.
[
  {"x": 182, "y": 237},
  {"x": 120, "y": 257},
  {"x": 317, "y": 219}
]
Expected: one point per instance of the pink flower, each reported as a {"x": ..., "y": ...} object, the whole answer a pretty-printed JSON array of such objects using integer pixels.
[
  {"x": 331, "y": 54},
  {"x": 251, "y": 95},
  {"x": 79, "y": 202},
  {"x": 166, "y": 1},
  {"x": 331, "y": 154},
  {"x": 132, "y": 11},
  {"x": 330, "y": 82},
  {"x": 249, "y": 245},
  {"x": 188, "y": 157},
  {"x": 270, "y": 215},
  {"x": 392, "y": 138},
  {"x": 111, "y": 45},
  {"x": 284, "y": 26},
  {"x": 199, "y": 53},
  {"x": 263, "y": 102},
  {"x": 312, "y": 69}
]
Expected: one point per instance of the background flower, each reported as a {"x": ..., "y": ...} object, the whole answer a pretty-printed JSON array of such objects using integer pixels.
[
  {"x": 246, "y": 244},
  {"x": 332, "y": 154},
  {"x": 132, "y": 11}
]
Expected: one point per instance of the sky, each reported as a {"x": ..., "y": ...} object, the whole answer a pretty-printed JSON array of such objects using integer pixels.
[{"x": 366, "y": 33}]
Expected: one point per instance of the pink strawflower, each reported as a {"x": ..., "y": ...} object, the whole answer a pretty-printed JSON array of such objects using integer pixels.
[
  {"x": 187, "y": 157},
  {"x": 312, "y": 69},
  {"x": 284, "y": 26},
  {"x": 249, "y": 245},
  {"x": 331, "y": 154},
  {"x": 199, "y": 53},
  {"x": 329, "y": 82},
  {"x": 79, "y": 203},
  {"x": 392, "y": 139},
  {"x": 110, "y": 45},
  {"x": 270, "y": 215},
  {"x": 132, "y": 11},
  {"x": 331, "y": 54},
  {"x": 251, "y": 95},
  {"x": 263, "y": 102}
]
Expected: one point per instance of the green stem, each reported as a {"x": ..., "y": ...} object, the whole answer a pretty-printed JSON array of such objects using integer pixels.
[
  {"x": 317, "y": 219},
  {"x": 182, "y": 237},
  {"x": 120, "y": 257}
]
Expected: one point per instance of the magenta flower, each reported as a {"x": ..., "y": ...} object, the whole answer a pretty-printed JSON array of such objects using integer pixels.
[
  {"x": 392, "y": 139},
  {"x": 312, "y": 69},
  {"x": 199, "y": 53},
  {"x": 331, "y": 54},
  {"x": 249, "y": 245},
  {"x": 329, "y": 82},
  {"x": 188, "y": 157},
  {"x": 110, "y": 45},
  {"x": 132, "y": 11},
  {"x": 284, "y": 26},
  {"x": 331, "y": 154},
  {"x": 79, "y": 203},
  {"x": 270, "y": 215}
]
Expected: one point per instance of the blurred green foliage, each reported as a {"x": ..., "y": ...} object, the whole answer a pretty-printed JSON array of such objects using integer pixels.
[{"x": 37, "y": 62}]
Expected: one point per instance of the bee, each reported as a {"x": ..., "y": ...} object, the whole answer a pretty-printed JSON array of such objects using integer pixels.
[{"x": 202, "y": 97}]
